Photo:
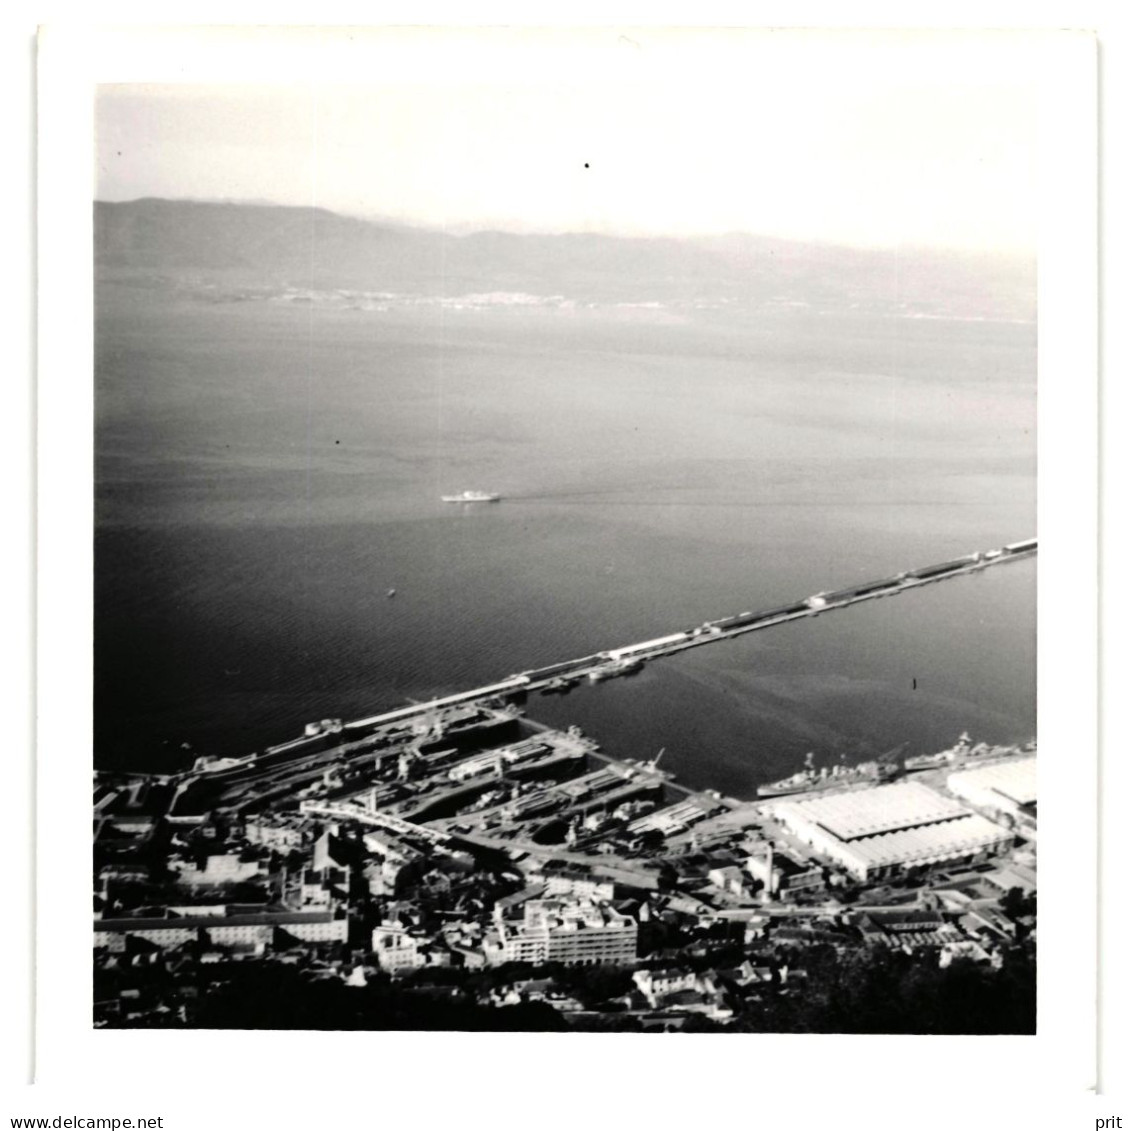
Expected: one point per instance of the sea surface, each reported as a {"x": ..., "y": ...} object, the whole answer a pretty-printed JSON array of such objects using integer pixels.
[{"x": 267, "y": 471}]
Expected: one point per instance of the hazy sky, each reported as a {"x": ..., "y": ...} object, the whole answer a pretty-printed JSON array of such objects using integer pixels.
[{"x": 873, "y": 140}]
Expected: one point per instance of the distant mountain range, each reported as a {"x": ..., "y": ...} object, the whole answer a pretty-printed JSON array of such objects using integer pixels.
[{"x": 259, "y": 245}]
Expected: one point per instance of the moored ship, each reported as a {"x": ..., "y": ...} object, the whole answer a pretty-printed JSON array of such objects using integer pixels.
[
  {"x": 829, "y": 777},
  {"x": 472, "y": 497},
  {"x": 561, "y": 685},
  {"x": 961, "y": 754},
  {"x": 614, "y": 668}
]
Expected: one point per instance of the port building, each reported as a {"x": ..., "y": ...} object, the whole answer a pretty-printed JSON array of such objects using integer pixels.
[
  {"x": 878, "y": 832},
  {"x": 781, "y": 873},
  {"x": 672, "y": 819},
  {"x": 1005, "y": 789}
]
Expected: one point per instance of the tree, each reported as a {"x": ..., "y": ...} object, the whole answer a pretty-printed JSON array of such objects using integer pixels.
[{"x": 1015, "y": 903}]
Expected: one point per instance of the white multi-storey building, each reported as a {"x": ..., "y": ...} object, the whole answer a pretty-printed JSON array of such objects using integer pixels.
[{"x": 570, "y": 931}]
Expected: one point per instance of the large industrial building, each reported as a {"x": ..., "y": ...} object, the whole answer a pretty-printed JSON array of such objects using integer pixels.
[
  {"x": 873, "y": 833},
  {"x": 1007, "y": 789}
]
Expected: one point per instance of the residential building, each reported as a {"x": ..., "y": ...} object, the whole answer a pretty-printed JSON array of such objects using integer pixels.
[
  {"x": 279, "y": 833},
  {"x": 684, "y": 991},
  {"x": 398, "y": 949},
  {"x": 229, "y": 930},
  {"x": 218, "y": 869},
  {"x": 571, "y": 931}
]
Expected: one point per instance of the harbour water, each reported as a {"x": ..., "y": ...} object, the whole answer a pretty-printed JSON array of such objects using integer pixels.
[{"x": 267, "y": 472}]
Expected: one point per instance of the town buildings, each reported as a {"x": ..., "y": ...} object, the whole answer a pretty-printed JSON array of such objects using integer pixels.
[{"x": 431, "y": 871}]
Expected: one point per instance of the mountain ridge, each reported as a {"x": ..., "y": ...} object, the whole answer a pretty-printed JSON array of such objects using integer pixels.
[{"x": 303, "y": 246}]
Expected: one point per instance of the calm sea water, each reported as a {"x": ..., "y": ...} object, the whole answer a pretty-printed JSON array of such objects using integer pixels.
[{"x": 267, "y": 472}]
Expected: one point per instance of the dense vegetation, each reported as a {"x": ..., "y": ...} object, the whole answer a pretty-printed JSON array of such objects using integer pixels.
[
  {"x": 884, "y": 991},
  {"x": 867, "y": 990},
  {"x": 269, "y": 996}
]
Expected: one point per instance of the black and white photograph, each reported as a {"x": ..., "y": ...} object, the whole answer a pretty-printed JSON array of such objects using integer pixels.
[
  {"x": 565, "y": 540},
  {"x": 503, "y": 491}
]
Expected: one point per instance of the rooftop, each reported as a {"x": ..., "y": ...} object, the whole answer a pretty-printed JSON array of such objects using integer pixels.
[
  {"x": 966, "y": 833},
  {"x": 174, "y": 922},
  {"x": 1015, "y": 780},
  {"x": 569, "y": 915},
  {"x": 869, "y": 812}
]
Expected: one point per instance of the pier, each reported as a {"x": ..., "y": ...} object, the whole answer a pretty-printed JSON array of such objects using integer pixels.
[
  {"x": 350, "y": 747},
  {"x": 630, "y": 658}
]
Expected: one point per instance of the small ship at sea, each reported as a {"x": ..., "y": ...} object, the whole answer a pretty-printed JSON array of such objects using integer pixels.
[
  {"x": 828, "y": 777},
  {"x": 472, "y": 497}
]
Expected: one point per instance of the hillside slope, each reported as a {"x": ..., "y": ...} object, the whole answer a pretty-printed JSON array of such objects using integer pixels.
[{"x": 267, "y": 246}]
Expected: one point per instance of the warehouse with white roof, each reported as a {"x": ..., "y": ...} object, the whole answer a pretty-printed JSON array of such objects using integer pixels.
[
  {"x": 877, "y": 832},
  {"x": 1006, "y": 788}
]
